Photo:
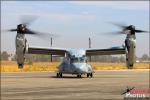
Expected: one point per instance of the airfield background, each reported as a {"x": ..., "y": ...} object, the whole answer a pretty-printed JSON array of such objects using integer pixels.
[{"x": 42, "y": 62}]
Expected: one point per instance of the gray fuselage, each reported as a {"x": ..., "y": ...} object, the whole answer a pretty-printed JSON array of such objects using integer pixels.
[{"x": 75, "y": 62}]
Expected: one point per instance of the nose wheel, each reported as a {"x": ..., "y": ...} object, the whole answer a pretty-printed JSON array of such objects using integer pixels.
[
  {"x": 79, "y": 76},
  {"x": 59, "y": 74},
  {"x": 89, "y": 74}
]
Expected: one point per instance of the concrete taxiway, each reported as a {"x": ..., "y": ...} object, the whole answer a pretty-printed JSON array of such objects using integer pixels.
[{"x": 44, "y": 85}]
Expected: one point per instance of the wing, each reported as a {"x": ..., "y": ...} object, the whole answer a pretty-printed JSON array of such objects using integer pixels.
[
  {"x": 109, "y": 51},
  {"x": 46, "y": 51}
]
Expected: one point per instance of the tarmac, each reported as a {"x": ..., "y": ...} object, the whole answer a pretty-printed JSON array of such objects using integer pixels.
[{"x": 105, "y": 85}]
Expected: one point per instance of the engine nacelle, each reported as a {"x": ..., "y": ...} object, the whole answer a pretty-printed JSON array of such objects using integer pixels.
[
  {"x": 130, "y": 52},
  {"x": 20, "y": 49}
]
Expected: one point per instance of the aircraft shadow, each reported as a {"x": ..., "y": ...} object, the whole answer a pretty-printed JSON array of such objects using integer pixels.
[{"x": 72, "y": 77}]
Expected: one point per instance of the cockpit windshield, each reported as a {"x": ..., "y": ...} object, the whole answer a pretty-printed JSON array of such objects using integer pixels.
[{"x": 78, "y": 59}]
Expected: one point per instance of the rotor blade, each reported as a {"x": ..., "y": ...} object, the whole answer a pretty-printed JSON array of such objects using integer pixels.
[
  {"x": 140, "y": 31},
  {"x": 118, "y": 32},
  {"x": 111, "y": 33},
  {"x": 27, "y": 19},
  {"x": 12, "y": 30},
  {"x": 28, "y": 31},
  {"x": 40, "y": 34},
  {"x": 9, "y": 30},
  {"x": 121, "y": 25}
]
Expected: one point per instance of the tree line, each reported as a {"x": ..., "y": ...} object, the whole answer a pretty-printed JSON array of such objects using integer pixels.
[{"x": 47, "y": 58}]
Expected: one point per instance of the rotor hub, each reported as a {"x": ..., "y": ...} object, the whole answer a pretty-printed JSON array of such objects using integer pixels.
[
  {"x": 21, "y": 28},
  {"x": 131, "y": 27}
]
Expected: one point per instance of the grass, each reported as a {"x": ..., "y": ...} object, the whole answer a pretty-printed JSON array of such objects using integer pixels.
[
  {"x": 118, "y": 66},
  {"x": 11, "y": 66}
]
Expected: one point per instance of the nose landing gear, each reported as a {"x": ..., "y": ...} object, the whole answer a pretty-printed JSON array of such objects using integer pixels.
[
  {"x": 79, "y": 76},
  {"x": 89, "y": 74}
]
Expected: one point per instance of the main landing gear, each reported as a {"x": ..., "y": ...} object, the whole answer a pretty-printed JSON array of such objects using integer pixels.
[
  {"x": 59, "y": 75},
  {"x": 89, "y": 74},
  {"x": 78, "y": 76}
]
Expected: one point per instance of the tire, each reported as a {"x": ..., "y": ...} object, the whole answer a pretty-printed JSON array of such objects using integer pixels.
[
  {"x": 88, "y": 75},
  {"x": 91, "y": 74},
  {"x": 57, "y": 75},
  {"x": 130, "y": 66},
  {"x": 79, "y": 76},
  {"x": 20, "y": 66},
  {"x": 60, "y": 74}
]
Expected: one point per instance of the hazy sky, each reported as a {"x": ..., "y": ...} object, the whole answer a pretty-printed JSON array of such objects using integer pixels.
[{"x": 75, "y": 21}]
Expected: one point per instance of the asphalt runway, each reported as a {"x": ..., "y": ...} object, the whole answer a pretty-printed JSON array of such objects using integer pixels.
[{"x": 105, "y": 85}]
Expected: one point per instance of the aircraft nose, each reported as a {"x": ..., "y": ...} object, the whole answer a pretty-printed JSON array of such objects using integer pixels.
[{"x": 80, "y": 67}]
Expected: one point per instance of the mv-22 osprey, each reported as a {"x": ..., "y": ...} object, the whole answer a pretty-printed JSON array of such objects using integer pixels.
[{"x": 75, "y": 60}]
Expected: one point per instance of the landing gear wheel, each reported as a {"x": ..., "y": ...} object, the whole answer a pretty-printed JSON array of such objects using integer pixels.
[
  {"x": 88, "y": 74},
  {"x": 20, "y": 66},
  {"x": 79, "y": 76},
  {"x": 130, "y": 66},
  {"x": 91, "y": 74},
  {"x": 59, "y": 75}
]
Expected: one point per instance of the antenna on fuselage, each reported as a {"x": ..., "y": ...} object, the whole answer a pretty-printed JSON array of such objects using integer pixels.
[
  {"x": 89, "y": 42},
  {"x": 51, "y": 41},
  {"x": 51, "y": 47},
  {"x": 89, "y": 47}
]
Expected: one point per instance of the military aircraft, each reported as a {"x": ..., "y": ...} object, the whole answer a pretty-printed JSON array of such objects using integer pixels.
[{"x": 75, "y": 60}]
